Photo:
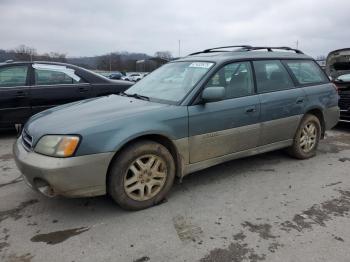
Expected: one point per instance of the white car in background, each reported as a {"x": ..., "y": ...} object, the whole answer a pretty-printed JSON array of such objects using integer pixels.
[{"x": 133, "y": 77}]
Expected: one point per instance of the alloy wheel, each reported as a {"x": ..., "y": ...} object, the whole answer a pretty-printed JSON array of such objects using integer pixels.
[{"x": 308, "y": 137}]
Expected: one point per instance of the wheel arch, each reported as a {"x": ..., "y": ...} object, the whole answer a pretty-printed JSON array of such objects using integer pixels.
[{"x": 158, "y": 138}]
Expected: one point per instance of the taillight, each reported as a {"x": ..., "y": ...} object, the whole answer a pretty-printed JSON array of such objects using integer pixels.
[{"x": 335, "y": 87}]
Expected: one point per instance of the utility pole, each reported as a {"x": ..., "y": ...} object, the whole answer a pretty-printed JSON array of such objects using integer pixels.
[
  {"x": 110, "y": 62},
  {"x": 179, "y": 48},
  {"x": 297, "y": 44}
]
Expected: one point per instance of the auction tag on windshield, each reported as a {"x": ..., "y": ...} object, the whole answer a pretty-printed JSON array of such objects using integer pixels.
[{"x": 201, "y": 65}]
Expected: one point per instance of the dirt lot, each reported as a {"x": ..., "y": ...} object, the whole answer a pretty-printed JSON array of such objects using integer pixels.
[{"x": 263, "y": 208}]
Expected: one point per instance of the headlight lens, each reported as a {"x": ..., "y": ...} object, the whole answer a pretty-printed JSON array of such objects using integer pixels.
[{"x": 57, "y": 146}]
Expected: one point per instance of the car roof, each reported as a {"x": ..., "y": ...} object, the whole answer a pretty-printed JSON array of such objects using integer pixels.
[
  {"x": 88, "y": 75},
  {"x": 39, "y": 62}
]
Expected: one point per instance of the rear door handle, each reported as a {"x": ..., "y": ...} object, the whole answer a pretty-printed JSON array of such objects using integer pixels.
[
  {"x": 300, "y": 100},
  {"x": 250, "y": 109},
  {"x": 83, "y": 89}
]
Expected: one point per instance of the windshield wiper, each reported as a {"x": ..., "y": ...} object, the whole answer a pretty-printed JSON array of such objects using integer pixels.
[{"x": 135, "y": 95}]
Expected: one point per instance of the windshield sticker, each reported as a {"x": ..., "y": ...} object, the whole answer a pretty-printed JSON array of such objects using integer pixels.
[{"x": 201, "y": 65}]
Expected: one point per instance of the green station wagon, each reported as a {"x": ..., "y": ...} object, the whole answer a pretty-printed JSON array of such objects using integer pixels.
[{"x": 198, "y": 111}]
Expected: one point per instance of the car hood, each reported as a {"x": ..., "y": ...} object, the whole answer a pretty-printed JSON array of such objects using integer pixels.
[
  {"x": 79, "y": 116},
  {"x": 338, "y": 63}
]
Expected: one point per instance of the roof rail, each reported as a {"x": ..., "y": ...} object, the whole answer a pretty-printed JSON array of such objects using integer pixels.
[
  {"x": 270, "y": 48},
  {"x": 248, "y": 48},
  {"x": 215, "y": 49}
]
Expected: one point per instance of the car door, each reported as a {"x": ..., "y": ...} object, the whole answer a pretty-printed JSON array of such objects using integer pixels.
[
  {"x": 56, "y": 85},
  {"x": 14, "y": 95},
  {"x": 282, "y": 104},
  {"x": 230, "y": 125}
]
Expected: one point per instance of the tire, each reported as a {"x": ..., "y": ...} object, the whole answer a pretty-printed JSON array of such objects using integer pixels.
[
  {"x": 306, "y": 138},
  {"x": 135, "y": 182}
]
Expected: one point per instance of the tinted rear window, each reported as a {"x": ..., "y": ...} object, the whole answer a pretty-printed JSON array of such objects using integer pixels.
[{"x": 307, "y": 72}]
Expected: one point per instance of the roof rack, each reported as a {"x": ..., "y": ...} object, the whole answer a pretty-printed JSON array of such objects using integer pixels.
[
  {"x": 270, "y": 48},
  {"x": 249, "y": 48},
  {"x": 215, "y": 49}
]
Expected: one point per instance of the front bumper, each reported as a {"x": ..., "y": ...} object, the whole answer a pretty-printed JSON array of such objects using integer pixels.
[
  {"x": 80, "y": 176},
  {"x": 345, "y": 116}
]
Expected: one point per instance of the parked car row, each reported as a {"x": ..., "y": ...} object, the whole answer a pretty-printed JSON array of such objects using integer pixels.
[
  {"x": 133, "y": 77},
  {"x": 207, "y": 108},
  {"x": 27, "y": 88}
]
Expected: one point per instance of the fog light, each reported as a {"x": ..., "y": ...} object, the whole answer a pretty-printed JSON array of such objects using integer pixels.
[{"x": 44, "y": 188}]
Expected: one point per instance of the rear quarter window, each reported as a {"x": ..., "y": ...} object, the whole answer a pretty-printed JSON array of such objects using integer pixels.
[{"x": 306, "y": 72}]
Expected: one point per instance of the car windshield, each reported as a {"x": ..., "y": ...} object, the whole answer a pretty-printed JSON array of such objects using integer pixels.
[{"x": 171, "y": 82}]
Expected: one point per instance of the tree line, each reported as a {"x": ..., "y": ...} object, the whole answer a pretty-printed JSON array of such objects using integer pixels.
[{"x": 114, "y": 61}]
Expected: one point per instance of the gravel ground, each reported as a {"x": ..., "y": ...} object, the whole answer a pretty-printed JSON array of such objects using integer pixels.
[{"x": 263, "y": 208}]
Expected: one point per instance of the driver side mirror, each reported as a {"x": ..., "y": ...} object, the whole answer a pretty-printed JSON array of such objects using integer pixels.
[{"x": 213, "y": 94}]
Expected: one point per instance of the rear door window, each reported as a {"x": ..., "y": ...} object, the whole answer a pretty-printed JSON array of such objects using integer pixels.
[
  {"x": 306, "y": 72},
  {"x": 271, "y": 76},
  {"x": 13, "y": 76},
  {"x": 55, "y": 75}
]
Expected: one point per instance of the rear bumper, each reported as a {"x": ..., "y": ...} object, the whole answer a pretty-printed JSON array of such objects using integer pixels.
[
  {"x": 81, "y": 176},
  {"x": 331, "y": 117}
]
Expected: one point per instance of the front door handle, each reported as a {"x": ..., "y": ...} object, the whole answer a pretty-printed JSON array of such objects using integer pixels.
[
  {"x": 21, "y": 94},
  {"x": 250, "y": 109}
]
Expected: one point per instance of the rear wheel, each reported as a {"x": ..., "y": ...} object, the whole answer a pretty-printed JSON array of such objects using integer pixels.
[
  {"x": 142, "y": 175},
  {"x": 306, "y": 138}
]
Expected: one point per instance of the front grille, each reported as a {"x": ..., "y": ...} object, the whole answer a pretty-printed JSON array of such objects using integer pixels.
[
  {"x": 27, "y": 140},
  {"x": 344, "y": 101}
]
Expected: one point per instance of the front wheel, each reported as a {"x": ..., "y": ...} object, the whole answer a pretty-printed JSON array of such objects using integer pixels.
[
  {"x": 306, "y": 138},
  {"x": 141, "y": 175}
]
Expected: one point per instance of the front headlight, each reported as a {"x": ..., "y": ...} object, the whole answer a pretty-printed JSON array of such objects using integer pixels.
[{"x": 57, "y": 146}]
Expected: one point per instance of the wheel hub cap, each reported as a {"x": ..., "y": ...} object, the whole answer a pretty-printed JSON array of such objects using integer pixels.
[{"x": 145, "y": 177}]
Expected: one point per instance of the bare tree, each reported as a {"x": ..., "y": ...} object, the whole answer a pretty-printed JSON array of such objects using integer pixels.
[
  {"x": 164, "y": 55},
  {"x": 25, "y": 53},
  {"x": 321, "y": 57},
  {"x": 58, "y": 57}
]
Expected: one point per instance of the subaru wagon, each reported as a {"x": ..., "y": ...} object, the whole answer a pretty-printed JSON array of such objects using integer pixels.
[{"x": 198, "y": 111}]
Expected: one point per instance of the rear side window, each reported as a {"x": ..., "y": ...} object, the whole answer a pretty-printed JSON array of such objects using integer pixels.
[
  {"x": 306, "y": 72},
  {"x": 13, "y": 76},
  {"x": 271, "y": 76}
]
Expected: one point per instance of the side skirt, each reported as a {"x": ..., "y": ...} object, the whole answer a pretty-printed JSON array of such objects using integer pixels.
[{"x": 250, "y": 152}]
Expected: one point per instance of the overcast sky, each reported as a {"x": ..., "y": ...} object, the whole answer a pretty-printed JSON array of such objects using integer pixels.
[{"x": 92, "y": 27}]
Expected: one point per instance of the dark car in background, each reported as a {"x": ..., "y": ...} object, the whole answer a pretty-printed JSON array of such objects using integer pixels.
[
  {"x": 116, "y": 75},
  {"x": 27, "y": 88},
  {"x": 338, "y": 69}
]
